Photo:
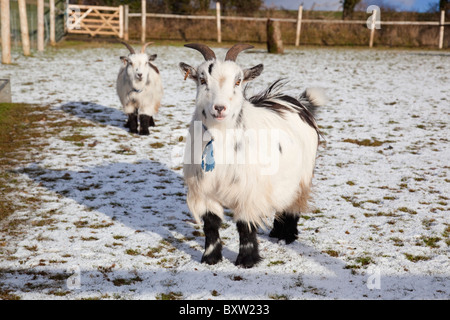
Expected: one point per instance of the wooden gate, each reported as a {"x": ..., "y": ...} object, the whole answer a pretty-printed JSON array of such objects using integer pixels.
[{"x": 95, "y": 20}]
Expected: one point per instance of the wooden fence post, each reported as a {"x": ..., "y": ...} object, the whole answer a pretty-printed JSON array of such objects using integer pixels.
[
  {"x": 121, "y": 21},
  {"x": 24, "y": 27},
  {"x": 6, "y": 32},
  {"x": 372, "y": 28},
  {"x": 126, "y": 10},
  {"x": 299, "y": 25},
  {"x": 143, "y": 20},
  {"x": 274, "y": 41},
  {"x": 219, "y": 25},
  {"x": 441, "y": 30},
  {"x": 40, "y": 25},
  {"x": 52, "y": 23}
]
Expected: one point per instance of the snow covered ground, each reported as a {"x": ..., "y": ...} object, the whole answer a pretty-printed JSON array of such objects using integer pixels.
[{"x": 113, "y": 222}]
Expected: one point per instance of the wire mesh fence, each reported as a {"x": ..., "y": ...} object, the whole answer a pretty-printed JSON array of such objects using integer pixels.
[{"x": 16, "y": 40}]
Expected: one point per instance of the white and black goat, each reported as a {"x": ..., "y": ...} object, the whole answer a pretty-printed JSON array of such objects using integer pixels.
[
  {"x": 227, "y": 158},
  {"x": 139, "y": 88}
]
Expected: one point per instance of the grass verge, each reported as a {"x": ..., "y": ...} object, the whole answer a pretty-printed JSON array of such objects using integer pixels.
[{"x": 20, "y": 133}]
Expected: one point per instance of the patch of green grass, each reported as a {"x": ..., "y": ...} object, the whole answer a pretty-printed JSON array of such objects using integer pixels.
[
  {"x": 126, "y": 282},
  {"x": 170, "y": 296},
  {"x": 7, "y": 295},
  {"x": 331, "y": 253},
  {"x": 360, "y": 262},
  {"x": 278, "y": 297},
  {"x": 132, "y": 252},
  {"x": 431, "y": 241},
  {"x": 416, "y": 258},
  {"x": 274, "y": 263},
  {"x": 366, "y": 142},
  {"x": 125, "y": 150},
  {"x": 407, "y": 210},
  {"x": 76, "y": 137},
  {"x": 397, "y": 242},
  {"x": 89, "y": 238},
  {"x": 157, "y": 145},
  {"x": 19, "y": 125}
]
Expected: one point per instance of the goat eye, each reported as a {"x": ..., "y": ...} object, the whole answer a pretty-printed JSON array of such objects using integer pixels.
[{"x": 238, "y": 83}]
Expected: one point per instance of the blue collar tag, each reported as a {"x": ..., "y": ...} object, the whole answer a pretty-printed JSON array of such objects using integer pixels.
[{"x": 208, "y": 162}]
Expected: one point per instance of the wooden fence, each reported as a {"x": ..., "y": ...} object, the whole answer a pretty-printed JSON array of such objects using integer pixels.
[
  {"x": 24, "y": 21},
  {"x": 95, "y": 20},
  {"x": 114, "y": 21},
  {"x": 372, "y": 23}
]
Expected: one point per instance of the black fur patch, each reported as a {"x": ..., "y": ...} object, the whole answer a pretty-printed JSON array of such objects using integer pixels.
[
  {"x": 213, "y": 245},
  {"x": 210, "y": 68},
  {"x": 239, "y": 120},
  {"x": 154, "y": 67},
  {"x": 133, "y": 122},
  {"x": 248, "y": 245},
  {"x": 285, "y": 227},
  {"x": 274, "y": 100},
  {"x": 144, "y": 123}
]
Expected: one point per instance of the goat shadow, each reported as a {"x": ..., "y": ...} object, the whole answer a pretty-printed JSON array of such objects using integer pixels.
[
  {"x": 96, "y": 113},
  {"x": 146, "y": 196},
  {"x": 149, "y": 197}
]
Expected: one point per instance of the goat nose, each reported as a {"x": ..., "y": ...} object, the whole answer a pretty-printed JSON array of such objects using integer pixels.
[
  {"x": 139, "y": 75},
  {"x": 219, "y": 108}
]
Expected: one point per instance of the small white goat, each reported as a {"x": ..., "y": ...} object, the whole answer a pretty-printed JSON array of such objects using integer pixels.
[
  {"x": 139, "y": 88},
  {"x": 227, "y": 131}
]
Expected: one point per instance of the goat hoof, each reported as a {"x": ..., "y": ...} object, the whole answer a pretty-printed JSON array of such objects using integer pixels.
[
  {"x": 287, "y": 237},
  {"x": 211, "y": 258},
  {"x": 247, "y": 261},
  {"x": 275, "y": 233},
  {"x": 144, "y": 132}
]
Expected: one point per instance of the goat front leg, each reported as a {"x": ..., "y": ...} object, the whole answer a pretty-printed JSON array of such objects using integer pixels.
[
  {"x": 213, "y": 244},
  {"x": 248, "y": 245},
  {"x": 144, "y": 123},
  {"x": 132, "y": 123}
]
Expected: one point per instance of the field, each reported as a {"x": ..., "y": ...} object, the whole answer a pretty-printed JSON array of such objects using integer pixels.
[{"x": 98, "y": 213}]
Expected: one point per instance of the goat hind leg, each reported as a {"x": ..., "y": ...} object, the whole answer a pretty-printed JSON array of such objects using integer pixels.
[
  {"x": 152, "y": 122},
  {"x": 285, "y": 227}
]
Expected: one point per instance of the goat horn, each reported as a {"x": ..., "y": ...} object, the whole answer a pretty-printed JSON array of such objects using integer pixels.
[
  {"x": 145, "y": 46},
  {"x": 233, "y": 52},
  {"x": 206, "y": 51},
  {"x": 128, "y": 46}
]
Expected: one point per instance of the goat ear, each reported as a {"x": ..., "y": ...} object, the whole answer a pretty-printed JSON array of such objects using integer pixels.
[
  {"x": 252, "y": 73},
  {"x": 124, "y": 59},
  {"x": 188, "y": 71},
  {"x": 152, "y": 57}
]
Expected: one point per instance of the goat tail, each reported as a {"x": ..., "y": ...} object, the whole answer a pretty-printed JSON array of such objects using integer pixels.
[{"x": 312, "y": 98}]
